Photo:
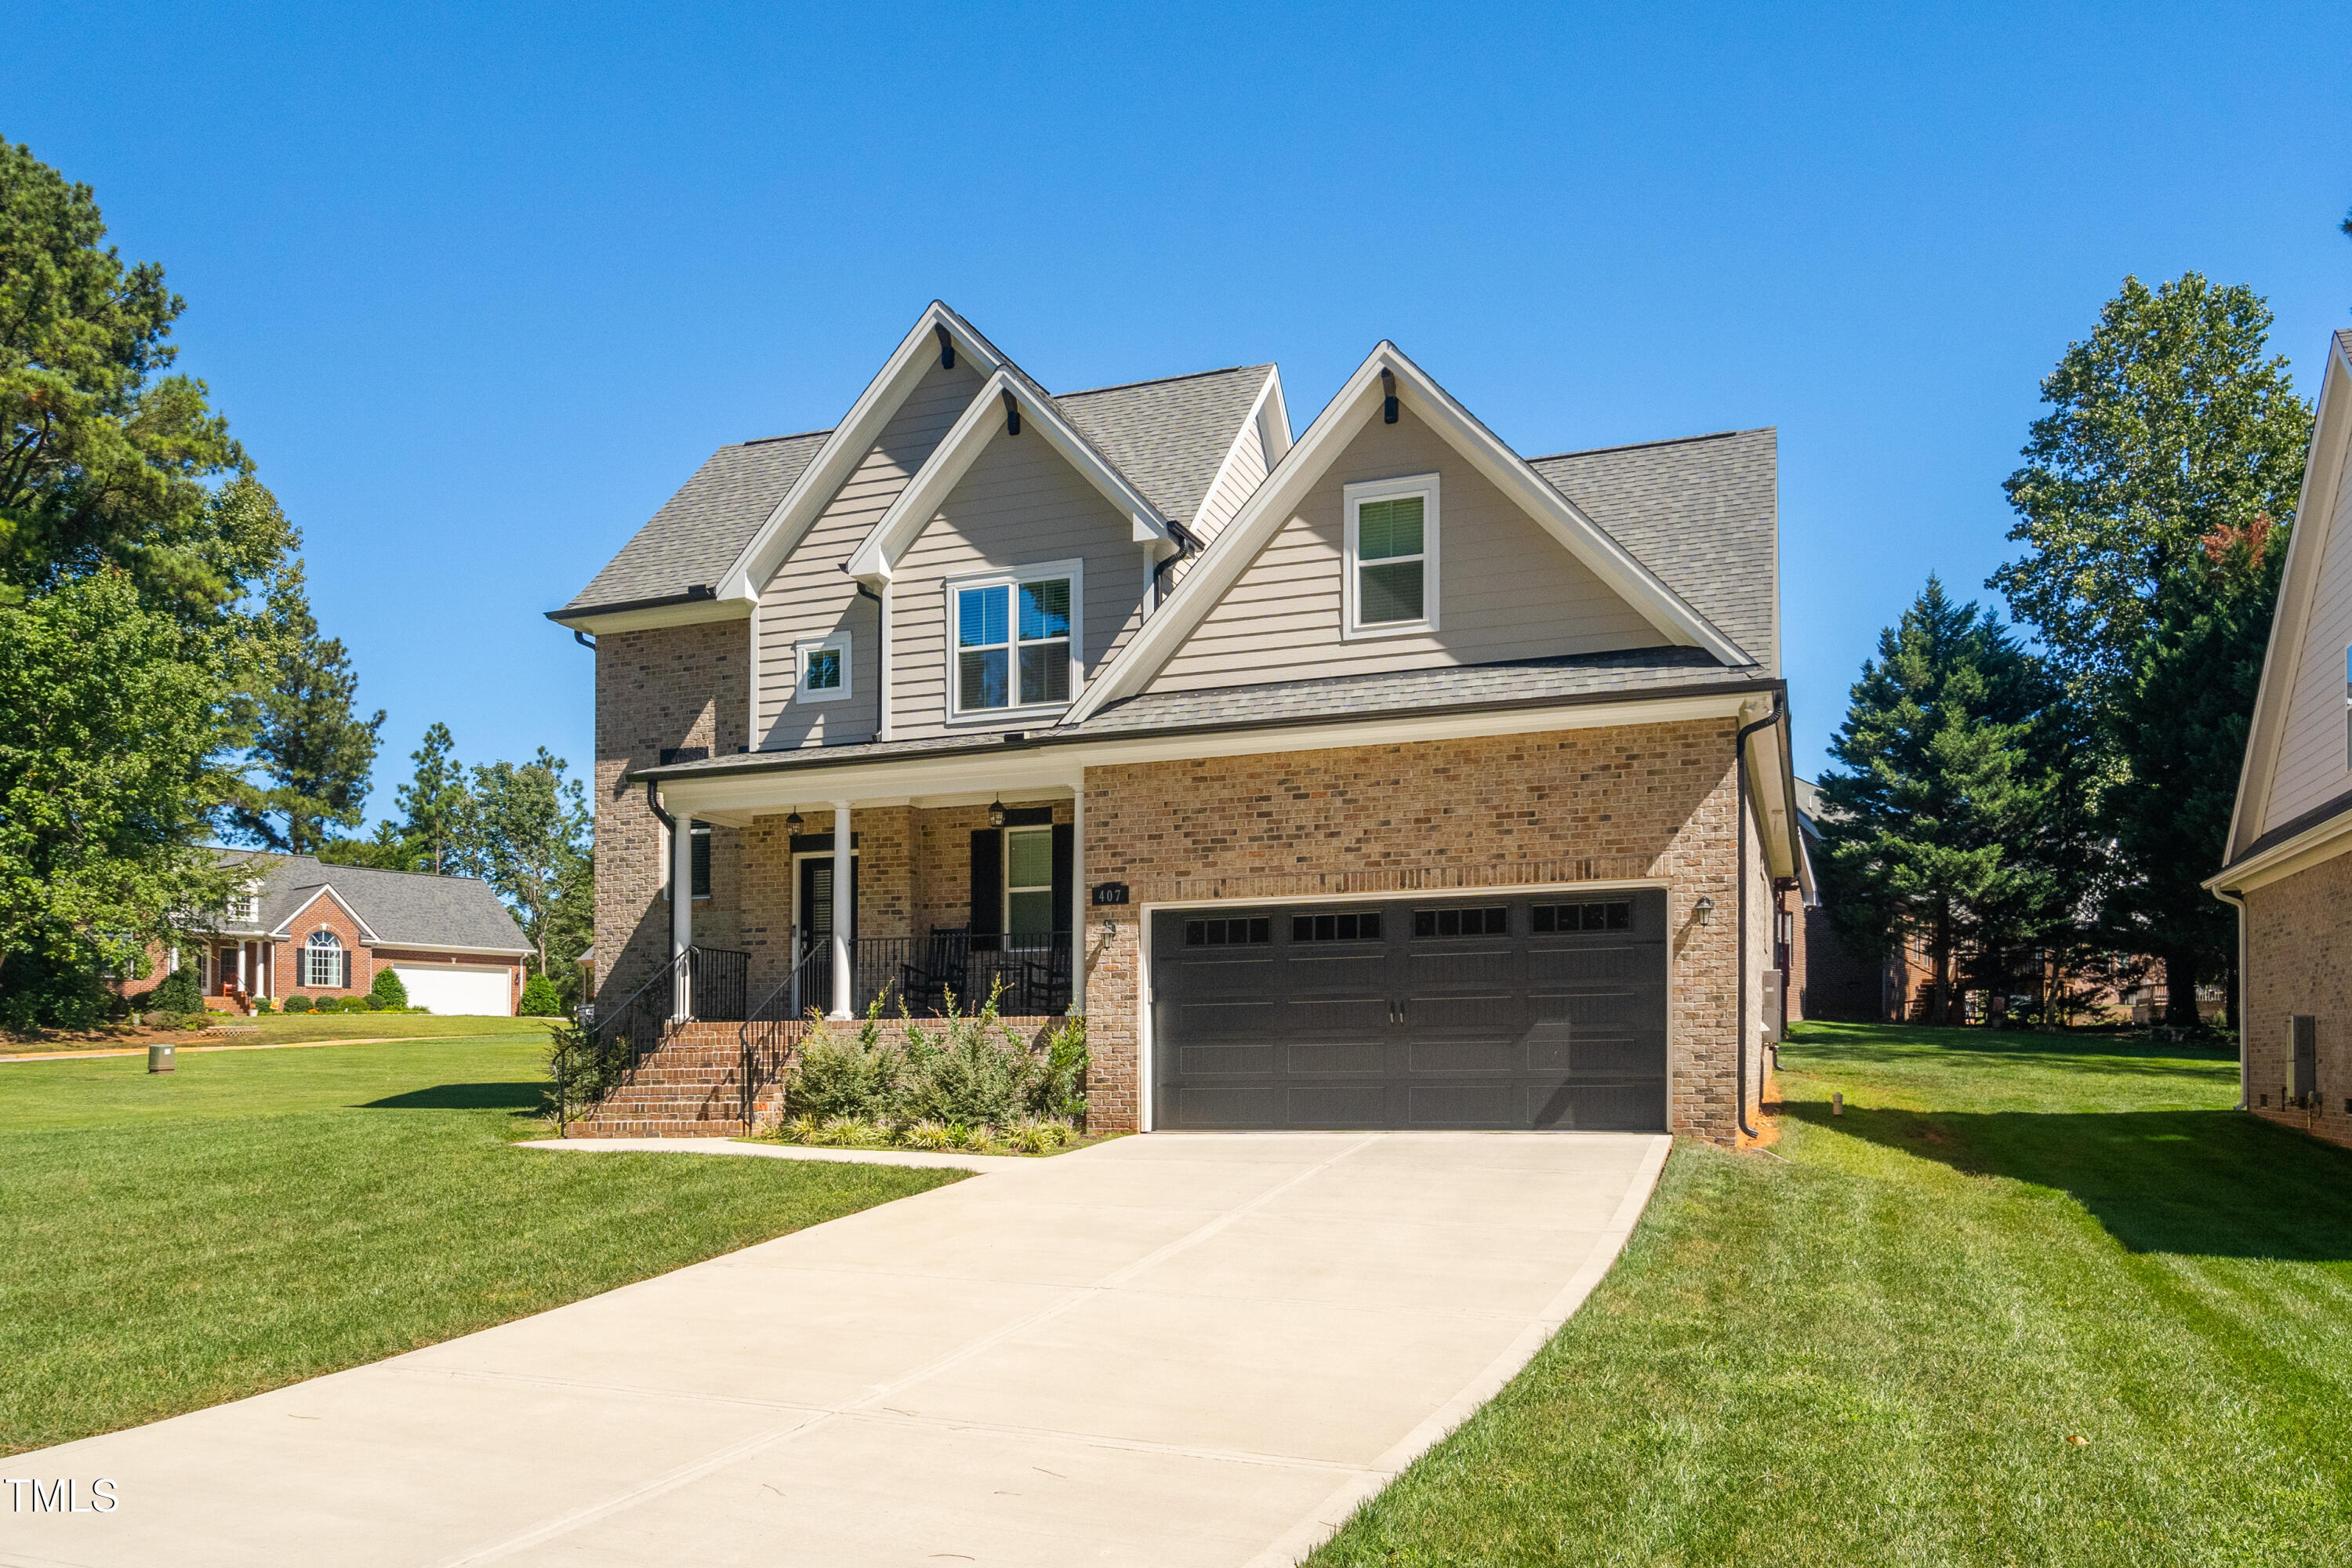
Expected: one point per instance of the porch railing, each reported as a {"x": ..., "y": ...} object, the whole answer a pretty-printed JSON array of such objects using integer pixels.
[
  {"x": 590, "y": 1067},
  {"x": 920, "y": 972}
]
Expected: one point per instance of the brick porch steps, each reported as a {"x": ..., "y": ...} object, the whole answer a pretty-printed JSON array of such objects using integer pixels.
[{"x": 690, "y": 1086}]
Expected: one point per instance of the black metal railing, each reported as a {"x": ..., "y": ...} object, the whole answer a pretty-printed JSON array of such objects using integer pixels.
[
  {"x": 591, "y": 1065},
  {"x": 1030, "y": 976}
]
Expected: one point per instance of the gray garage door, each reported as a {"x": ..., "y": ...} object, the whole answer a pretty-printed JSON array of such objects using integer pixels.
[{"x": 1536, "y": 1011}]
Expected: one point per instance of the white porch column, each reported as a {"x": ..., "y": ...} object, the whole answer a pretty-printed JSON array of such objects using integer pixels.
[
  {"x": 1078, "y": 900},
  {"x": 681, "y": 913},
  {"x": 845, "y": 905}
]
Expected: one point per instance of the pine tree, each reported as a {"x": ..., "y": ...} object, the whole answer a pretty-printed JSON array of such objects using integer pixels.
[
  {"x": 436, "y": 804},
  {"x": 1945, "y": 828},
  {"x": 312, "y": 752}
]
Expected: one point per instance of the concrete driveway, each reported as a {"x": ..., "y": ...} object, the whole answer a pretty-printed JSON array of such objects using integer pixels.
[{"x": 1169, "y": 1350}]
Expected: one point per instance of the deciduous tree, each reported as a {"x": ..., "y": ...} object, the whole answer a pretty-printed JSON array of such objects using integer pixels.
[
  {"x": 532, "y": 829},
  {"x": 312, "y": 753}
]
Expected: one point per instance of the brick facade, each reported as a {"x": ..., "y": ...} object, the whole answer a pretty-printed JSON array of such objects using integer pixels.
[
  {"x": 658, "y": 690},
  {"x": 1651, "y": 802},
  {"x": 2299, "y": 960}
]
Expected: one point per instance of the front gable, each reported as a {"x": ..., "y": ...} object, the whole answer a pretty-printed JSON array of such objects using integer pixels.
[{"x": 1515, "y": 569}]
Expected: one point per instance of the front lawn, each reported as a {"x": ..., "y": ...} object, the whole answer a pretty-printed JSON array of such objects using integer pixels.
[
  {"x": 280, "y": 1029},
  {"x": 261, "y": 1218},
  {"x": 2033, "y": 1300}
]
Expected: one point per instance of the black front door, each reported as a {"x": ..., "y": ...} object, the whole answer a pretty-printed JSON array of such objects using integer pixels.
[{"x": 816, "y": 927}]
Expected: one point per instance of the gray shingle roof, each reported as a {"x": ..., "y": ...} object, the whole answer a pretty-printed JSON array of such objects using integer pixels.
[
  {"x": 698, "y": 531},
  {"x": 1703, "y": 514},
  {"x": 1591, "y": 677},
  {"x": 403, "y": 908},
  {"x": 1167, "y": 436}
]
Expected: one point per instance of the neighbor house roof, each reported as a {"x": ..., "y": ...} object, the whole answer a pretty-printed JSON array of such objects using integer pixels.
[
  {"x": 1167, "y": 436},
  {"x": 399, "y": 908}
]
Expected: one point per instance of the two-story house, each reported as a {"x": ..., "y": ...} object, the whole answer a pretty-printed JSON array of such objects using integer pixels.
[
  {"x": 1379, "y": 777},
  {"x": 2289, "y": 863}
]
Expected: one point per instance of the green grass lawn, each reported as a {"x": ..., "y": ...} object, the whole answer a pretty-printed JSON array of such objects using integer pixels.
[
  {"x": 2033, "y": 1300},
  {"x": 277, "y": 1028},
  {"x": 259, "y": 1218}
]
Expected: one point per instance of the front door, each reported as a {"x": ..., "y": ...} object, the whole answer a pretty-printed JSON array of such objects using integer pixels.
[
  {"x": 228, "y": 971},
  {"x": 816, "y": 927}
]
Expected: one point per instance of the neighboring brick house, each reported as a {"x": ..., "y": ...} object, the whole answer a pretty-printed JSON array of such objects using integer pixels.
[
  {"x": 1382, "y": 778},
  {"x": 301, "y": 927},
  {"x": 2289, "y": 863}
]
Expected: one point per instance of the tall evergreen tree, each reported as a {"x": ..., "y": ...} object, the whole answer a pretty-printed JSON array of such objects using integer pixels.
[
  {"x": 1945, "y": 829},
  {"x": 435, "y": 804},
  {"x": 311, "y": 750},
  {"x": 2179, "y": 729},
  {"x": 531, "y": 828}
]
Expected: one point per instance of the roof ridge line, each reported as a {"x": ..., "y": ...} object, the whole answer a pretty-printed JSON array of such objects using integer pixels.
[
  {"x": 795, "y": 436},
  {"x": 1637, "y": 446},
  {"x": 1160, "y": 380}
]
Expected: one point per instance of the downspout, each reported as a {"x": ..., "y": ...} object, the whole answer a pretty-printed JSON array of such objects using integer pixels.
[
  {"x": 2238, "y": 902},
  {"x": 1739, "y": 1053}
]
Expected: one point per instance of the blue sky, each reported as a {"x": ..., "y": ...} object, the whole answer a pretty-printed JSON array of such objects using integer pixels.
[{"x": 480, "y": 286}]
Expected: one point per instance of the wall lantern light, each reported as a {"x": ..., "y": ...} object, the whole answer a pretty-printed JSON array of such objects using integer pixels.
[
  {"x": 996, "y": 813},
  {"x": 1703, "y": 911},
  {"x": 795, "y": 822}
]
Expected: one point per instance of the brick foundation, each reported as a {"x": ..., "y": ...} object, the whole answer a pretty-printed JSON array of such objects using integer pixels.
[{"x": 2299, "y": 960}]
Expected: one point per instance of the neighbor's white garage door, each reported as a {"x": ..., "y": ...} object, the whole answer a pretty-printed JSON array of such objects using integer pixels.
[{"x": 455, "y": 988}]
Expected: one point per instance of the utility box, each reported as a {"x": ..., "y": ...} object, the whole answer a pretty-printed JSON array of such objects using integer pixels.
[
  {"x": 159, "y": 1059},
  {"x": 1772, "y": 1004},
  {"x": 2304, "y": 1030}
]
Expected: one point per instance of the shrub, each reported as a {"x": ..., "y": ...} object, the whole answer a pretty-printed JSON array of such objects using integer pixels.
[
  {"x": 178, "y": 993},
  {"x": 977, "y": 1073},
  {"x": 195, "y": 1020},
  {"x": 299, "y": 1004},
  {"x": 925, "y": 1135},
  {"x": 1060, "y": 1089},
  {"x": 262, "y": 1005},
  {"x": 801, "y": 1129},
  {"x": 540, "y": 999},
  {"x": 854, "y": 1078},
  {"x": 387, "y": 992}
]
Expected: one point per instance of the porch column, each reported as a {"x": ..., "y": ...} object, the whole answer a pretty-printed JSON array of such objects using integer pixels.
[
  {"x": 681, "y": 913},
  {"x": 845, "y": 906},
  {"x": 1078, "y": 900}
]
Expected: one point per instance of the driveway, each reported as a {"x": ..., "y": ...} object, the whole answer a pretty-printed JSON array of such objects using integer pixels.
[{"x": 1182, "y": 1348}]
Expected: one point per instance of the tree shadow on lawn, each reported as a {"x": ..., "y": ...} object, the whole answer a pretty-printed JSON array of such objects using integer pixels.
[
  {"x": 531, "y": 1097},
  {"x": 2218, "y": 1183}
]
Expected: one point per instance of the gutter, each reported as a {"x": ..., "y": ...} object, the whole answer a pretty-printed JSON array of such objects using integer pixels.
[
  {"x": 998, "y": 740},
  {"x": 693, "y": 595},
  {"x": 2238, "y": 901},
  {"x": 1739, "y": 1053}
]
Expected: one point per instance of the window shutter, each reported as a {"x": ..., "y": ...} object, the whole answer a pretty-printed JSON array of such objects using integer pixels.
[
  {"x": 987, "y": 882},
  {"x": 2305, "y": 1032},
  {"x": 701, "y": 861},
  {"x": 1065, "y": 858},
  {"x": 347, "y": 969}
]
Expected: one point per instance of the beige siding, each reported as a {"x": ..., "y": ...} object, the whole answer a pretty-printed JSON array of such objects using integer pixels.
[
  {"x": 1507, "y": 589},
  {"x": 811, "y": 596},
  {"x": 1245, "y": 468},
  {"x": 2310, "y": 769},
  {"x": 1021, "y": 503}
]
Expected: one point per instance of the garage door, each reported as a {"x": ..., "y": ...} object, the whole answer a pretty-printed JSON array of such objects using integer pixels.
[
  {"x": 456, "y": 989},
  {"x": 1536, "y": 1011}
]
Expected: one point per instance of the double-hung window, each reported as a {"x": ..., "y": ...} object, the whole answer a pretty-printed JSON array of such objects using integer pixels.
[
  {"x": 1029, "y": 885},
  {"x": 823, "y": 664},
  {"x": 1391, "y": 556},
  {"x": 1015, "y": 643}
]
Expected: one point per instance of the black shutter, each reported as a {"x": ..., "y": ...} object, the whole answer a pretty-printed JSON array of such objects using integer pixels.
[
  {"x": 1065, "y": 858},
  {"x": 702, "y": 862},
  {"x": 987, "y": 882},
  {"x": 347, "y": 969}
]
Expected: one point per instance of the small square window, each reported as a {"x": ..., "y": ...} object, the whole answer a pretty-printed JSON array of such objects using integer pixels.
[{"x": 824, "y": 669}]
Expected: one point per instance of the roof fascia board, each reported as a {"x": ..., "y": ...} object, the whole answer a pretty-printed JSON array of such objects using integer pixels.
[
  {"x": 1271, "y": 505},
  {"x": 285, "y": 928},
  {"x": 903, "y": 523},
  {"x": 1275, "y": 414},
  {"x": 2322, "y": 481},
  {"x": 683, "y": 613},
  {"x": 1017, "y": 767},
  {"x": 847, "y": 445},
  {"x": 2321, "y": 842},
  {"x": 399, "y": 946},
  {"x": 1250, "y": 438}
]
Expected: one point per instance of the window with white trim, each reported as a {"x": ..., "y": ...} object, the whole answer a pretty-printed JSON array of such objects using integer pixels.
[
  {"x": 1391, "y": 556},
  {"x": 1016, "y": 639},
  {"x": 322, "y": 961},
  {"x": 1029, "y": 887},
  {"x": 823, "y": 665},
  {"x": 244, "y": 905}
]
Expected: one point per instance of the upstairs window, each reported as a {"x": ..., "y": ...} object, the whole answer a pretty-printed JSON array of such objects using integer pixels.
[
  {"x": 244, "y": 905},
  {"x": 1014, "y": 647},
  {"x": 1391, "y": 556},
  {"x": 824, "y": 669}
]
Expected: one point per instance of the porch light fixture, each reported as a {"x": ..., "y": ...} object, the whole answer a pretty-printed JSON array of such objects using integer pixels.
[
  {"x": 795, "y": 822},
  {"x": 1703, "y": 911},
  {"x": 996, "y": 812}
]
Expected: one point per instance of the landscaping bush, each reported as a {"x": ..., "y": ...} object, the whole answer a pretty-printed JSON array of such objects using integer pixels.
[
  {"x": 178, "y": 993},
  {"x": 262, "y": 1005},
  {"x": 387, "y": 992},
  {"x": 540, "y": 999},
  {"x": 855, "y": 1078},
  {"x": 299, "y": 1004}
]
